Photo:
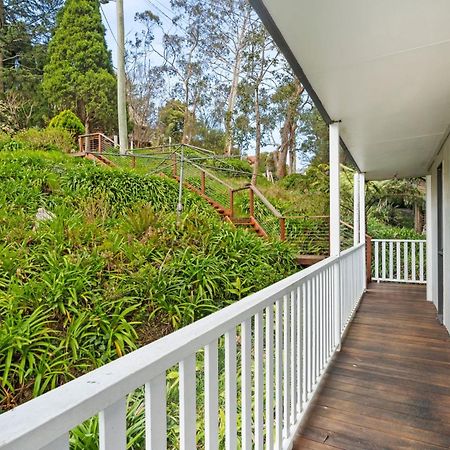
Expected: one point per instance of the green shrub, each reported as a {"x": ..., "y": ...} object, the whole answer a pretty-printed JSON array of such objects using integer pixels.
[
  {"x": 233, "y": 167},
  {"x": 114, "y": 269},
  {"x": 49, "y": 139},
  {"x": 379, "y": 230},
  {"x": 7, "y": 143},
  {"x": 315, "y": 179},
  {"x": 67, "y": 120}
]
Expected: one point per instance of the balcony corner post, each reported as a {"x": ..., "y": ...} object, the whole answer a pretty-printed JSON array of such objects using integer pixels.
[
  {"x": 335, "y": 225},
  {"x": 356, "y": 208},
  {"x": 362, "y": 223}
]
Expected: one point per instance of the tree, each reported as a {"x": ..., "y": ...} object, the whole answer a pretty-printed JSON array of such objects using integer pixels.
[
  {"x": 171, "y": 119},
  {"x": 79, "y": 74},
  {"x": 314, "y": 131},
  {"x": 228, "y": 39},
  {"x": 146, "y": 82},
  {"x": 67, "y": 120},
  {"x": 25, "y": 29},
  {"x": 288, "y": 98},
  {"x": 261, "y": 61}
]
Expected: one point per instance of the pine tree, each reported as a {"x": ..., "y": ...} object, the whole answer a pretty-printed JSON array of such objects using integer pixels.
[{"x": 79, "y": 74}]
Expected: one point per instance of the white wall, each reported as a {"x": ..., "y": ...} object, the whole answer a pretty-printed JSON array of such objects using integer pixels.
[{"x": 444, "y": 158}]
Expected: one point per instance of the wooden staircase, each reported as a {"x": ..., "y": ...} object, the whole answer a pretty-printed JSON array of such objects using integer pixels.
[
  {"x": 249, "y": 225},
  {"x": 310, "y": 234}
]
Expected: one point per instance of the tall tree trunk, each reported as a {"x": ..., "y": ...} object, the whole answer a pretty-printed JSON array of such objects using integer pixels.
[
  {"x": 288, "y": 138},
  {"x": 257, "y": 138},
  {"x": 186, "y": 124},
  {"x": 292, "y": 150},
  {"x": 418, "y": 219},
  {"x": 283, "y": 150},
  {"x": 234, "y": 88}
]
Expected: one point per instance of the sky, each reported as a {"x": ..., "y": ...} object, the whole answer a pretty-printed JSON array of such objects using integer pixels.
[{"x": 131, "y": 7}]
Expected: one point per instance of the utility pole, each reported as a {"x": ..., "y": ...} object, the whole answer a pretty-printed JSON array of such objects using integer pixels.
[{"x": 121, "y": 80}]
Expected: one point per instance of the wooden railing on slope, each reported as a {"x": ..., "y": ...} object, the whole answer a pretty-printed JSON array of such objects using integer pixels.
[
  {"x": 96, "y": 143},
  {"x": 245, "y": 204}
]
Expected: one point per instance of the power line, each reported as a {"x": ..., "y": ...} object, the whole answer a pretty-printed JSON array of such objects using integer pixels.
[{"x": 108, "y": 24}]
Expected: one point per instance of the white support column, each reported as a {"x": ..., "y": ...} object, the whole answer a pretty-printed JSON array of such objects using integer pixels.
[
  {"x": 362, "y": 207},
  {"x": 335, "y": 195},
  {"x": 429, "y": 238},
  {"x": 362, "y": 219},
  {"x": 446, "y": 234},
  {"x": 335, "y": 226},
  {"x": 356, "y": 208}
]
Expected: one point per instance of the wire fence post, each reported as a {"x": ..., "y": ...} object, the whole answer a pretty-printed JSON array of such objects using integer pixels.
[{"x": 180, "y": 189}]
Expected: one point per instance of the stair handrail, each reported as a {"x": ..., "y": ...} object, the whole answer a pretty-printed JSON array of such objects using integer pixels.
[
  {"x": 266, "y": 202},
  {"x": 211, "y": 175}
]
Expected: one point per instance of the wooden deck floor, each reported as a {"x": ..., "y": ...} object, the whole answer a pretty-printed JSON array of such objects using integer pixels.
[{"x": 389, "y": 387}]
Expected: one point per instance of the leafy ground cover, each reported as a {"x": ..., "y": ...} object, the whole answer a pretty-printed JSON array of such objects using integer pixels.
[{"x": 113, "y": 269}]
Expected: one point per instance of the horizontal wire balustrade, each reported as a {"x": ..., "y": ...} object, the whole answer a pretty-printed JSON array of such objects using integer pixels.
[
  {"x": 309, "y": 233},
  {"x": 261, "y": 361},
  {"x": 399, "y": 260}
]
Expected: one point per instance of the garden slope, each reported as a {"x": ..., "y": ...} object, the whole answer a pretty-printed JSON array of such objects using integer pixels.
[{"x": 113, "y": 269}]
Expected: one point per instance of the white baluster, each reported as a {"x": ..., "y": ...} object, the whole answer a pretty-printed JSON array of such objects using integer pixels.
[
  {"x": 211, "y": 397},
  {"x": 259, "y": 382},
  {"x": 246, "y": 337},
  {"x": 391, "y": 260},
  {"x": 405, "y": 261},
  {"x": 269, "y": 378},
  {"x": 299, "y": 331},
  {"x": 376, "y": 260},
  {"x": 113, "y": 426},
  {"x": 278, "y": 376},
  {"x": 61, "y": 443},
  {"x": 155, "y": 414},
  {"x": 421, "y": 261},
  {"x": 188, "y": 412},
  {"x": 230, "y": 391},
  {"x": 293, "y": 356},
  {"x": 286, "y": 366}
]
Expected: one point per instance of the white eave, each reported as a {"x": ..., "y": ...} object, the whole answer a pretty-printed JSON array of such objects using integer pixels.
[{"x": 382, "y": 67}]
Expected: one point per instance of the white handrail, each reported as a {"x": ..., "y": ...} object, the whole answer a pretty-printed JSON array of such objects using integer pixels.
[
  {"x": 294, "y": 323},
  {"x": 399, "y": 260}
]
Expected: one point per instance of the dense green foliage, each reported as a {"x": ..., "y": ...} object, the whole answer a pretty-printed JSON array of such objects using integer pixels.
[
  {"x": 67, "y": 120},
  {"x": 35, "y": 139},
  {"x": 25, "y": 28},
  {"x": 380, "y": 230},
  {"x": 79, "y": 74},
  {"x": 112, "y": 268}
]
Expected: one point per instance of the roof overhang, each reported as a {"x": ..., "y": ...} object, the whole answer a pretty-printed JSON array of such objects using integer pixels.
[{"x": 381, "y": 68}]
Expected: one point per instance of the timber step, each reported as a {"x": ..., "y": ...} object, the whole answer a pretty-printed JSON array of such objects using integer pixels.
[{"x": 309, "y": 260}]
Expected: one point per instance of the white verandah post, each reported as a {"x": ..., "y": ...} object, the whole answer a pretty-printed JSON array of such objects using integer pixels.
[
  {"x": 429, "y": 237},
  {"x": 356, "y": 208},
  {"x": 335, "y": 223},
  {"x": 362, "y": 220}
]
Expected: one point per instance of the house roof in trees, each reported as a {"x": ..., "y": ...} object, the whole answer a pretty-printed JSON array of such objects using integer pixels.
[{"x": 380, "y": 67}]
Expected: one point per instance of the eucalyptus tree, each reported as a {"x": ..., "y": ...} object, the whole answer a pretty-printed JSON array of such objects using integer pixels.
[
  {"x": 184, "y": 59},
  {"x": 230, "y": 22},
  {"x": 147, "y": 84},
  {"x": 288, "y": 104},
  {"x": 261, "y": 65}
]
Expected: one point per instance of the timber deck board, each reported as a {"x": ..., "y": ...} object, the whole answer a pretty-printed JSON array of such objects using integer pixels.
[{"x": 389, "y": 387}]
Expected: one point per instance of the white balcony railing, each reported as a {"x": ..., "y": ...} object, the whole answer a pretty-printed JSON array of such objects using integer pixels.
[
  {"x": 246, "y": 373},
  {"x": 399, "y": 261}
]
